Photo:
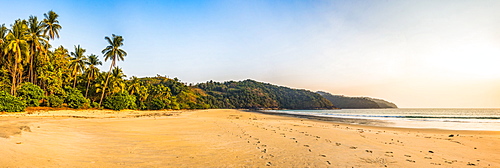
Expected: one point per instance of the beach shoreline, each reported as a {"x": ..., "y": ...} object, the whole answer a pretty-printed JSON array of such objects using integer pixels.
[{"x": 229, "y": 138}]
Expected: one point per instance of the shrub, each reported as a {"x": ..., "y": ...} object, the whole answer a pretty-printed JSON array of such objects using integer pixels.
[
  {"x": 54, "y": 101},
  {"x": 119, "y": 101},
  {"x": 94, "y": 105},
  {"x": 156, "y": 104},
  {"x": 174, "y": 106},
  {"x": 141, "y": 105},
  {"x": 31, "y": 94},
  {"x": 184, "y": 106},
  {"x": 10, "y": 103},
  {"x": 74, "y": 98}
]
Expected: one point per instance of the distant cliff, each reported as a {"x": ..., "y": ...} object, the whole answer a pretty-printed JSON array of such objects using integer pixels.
[{"x": 345, "y": 102}]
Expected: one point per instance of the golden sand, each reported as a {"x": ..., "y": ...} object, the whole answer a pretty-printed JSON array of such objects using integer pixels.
[{"x": 228, "y": 138}]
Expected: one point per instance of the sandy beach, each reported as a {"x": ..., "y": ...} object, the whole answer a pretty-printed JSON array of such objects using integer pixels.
[{"x": 228, "y": 138}]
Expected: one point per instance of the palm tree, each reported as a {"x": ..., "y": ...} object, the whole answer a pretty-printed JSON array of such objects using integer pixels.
[
  {"x": 133, "y": 85},
  {"x": 17, "y": 44},
  {"x": 92, "y": 70},
  {"x": 3, "y": 33},
  {"x": 51, "y": 24},
  {"x": 54, "y": 71},
  {"x": 114, "y": 53},
  {"x": 116, "y": 83},
  {"x": 37, "y": 43},
  {"x": 77, "y": 62}
]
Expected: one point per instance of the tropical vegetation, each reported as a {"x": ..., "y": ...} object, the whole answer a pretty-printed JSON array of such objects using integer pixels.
[
  {"x": 345, "y": 102},
  {"x": 35, "y": 73}
]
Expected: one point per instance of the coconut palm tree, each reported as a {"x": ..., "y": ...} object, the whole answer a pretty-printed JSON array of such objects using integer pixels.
[
  {"x": 51, "y": 24},
  {"x": 114, "y": 53},
  {"x": 77, "y": 62},
  {"x": 92, "y": 70},
  {"x": 3, "y": 33},
  {"x": 54, "y": 71},
  {"x": 37, "y": 43},
  {"x": 116, "y": 83},
  {"x": 17, "y": 48},
  {"x": 133, "y": 85}
]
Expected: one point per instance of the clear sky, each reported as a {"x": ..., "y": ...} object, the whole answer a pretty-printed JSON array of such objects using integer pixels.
[{"x": 413, "y": 53}]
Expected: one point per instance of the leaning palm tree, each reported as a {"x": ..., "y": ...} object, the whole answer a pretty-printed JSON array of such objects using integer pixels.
[
  {"x": 17, "y": 48},
  {"x": 92, "y": 70},
  {"x": 51, "y": 24},
  {"x": 114, "y": 53},
  {"x": 77, "y": 62},
  {"x": 37, "y": 43}
]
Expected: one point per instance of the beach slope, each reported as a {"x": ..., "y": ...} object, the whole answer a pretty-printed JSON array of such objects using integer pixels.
[{"x": 228, "y": 138}]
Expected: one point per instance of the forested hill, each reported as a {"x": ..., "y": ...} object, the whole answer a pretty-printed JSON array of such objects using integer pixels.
[
  {"x": 344, "y": 102},
  {"x": 253, "y": 94}
]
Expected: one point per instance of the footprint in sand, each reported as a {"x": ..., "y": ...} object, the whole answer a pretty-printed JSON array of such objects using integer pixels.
[
  {"x": 470, "y": 164},
  {"x": 410, "y": 160}
]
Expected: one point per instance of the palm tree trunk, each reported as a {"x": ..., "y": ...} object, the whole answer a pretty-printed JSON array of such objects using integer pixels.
[
  {"x": 106, "y": 83},
  {"x": 30, "y": 71},
  {"x": 74, "y": 83},
  {"x": 14, "y": 74},
  {"x": 87, "y": 90}
]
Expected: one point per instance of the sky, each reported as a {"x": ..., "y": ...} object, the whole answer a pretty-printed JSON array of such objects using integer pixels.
[{"x": 415, "y": 53}]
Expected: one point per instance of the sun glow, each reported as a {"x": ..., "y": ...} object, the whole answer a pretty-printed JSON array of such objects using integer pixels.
[{"x": 480, "y": 61}]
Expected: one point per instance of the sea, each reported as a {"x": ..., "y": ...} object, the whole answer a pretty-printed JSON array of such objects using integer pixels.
[{"x": 487, "y": 119}]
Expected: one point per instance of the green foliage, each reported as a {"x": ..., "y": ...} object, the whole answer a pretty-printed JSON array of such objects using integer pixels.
[
  {"x": 356, "y": 102},
  {"x": 94, "y": 105},
  {"x": 31, "y": 94},
  {"x": 166, "y": 93},
  {"x": 74, "y": 98},
  {"x": 174, "y": 106},
  {"x": 119, "y": 101},
  {"x": 156, "y": 104},
  {"x": 10, "y": 103},
  {"x": 252, "y": 94},
  {"x": 54, "y": 101}
]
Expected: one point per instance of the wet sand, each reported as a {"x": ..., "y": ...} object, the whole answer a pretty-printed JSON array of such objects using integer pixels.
[{"x": 229, "y": 138}]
